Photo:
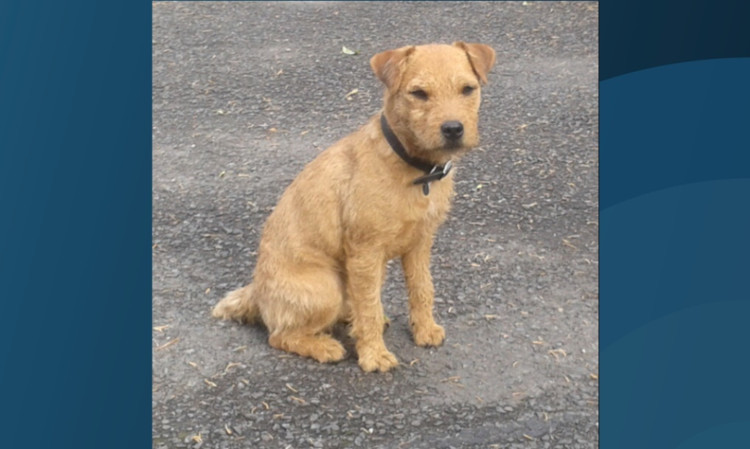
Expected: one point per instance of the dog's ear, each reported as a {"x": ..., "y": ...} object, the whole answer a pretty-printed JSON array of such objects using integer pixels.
[
  {"x": 389, "y": 65},
  {"x": 481, "y": 57}
]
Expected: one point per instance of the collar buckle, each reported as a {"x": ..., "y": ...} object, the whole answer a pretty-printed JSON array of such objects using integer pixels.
[{"x": 435, "y": 173}]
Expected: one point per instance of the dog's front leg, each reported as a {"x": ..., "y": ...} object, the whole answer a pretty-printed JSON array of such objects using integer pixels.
[
  {"x": 416, "y": 263},
  {"x": 365, "y": 271}
]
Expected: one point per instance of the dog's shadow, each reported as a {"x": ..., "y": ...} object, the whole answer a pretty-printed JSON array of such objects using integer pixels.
[{"x": 341, "y": 332}]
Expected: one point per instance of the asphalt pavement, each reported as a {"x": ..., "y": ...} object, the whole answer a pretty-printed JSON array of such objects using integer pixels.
[{"x": 244, "y": 95}]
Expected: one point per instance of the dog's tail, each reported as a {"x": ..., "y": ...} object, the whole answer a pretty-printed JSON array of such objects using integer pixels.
[{"x": 238, "y": 305}]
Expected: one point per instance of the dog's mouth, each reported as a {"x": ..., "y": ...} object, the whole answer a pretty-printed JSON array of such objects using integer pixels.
[{"x": 453, "y": 146}]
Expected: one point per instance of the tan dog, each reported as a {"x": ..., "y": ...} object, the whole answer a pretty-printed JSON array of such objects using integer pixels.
[{"x": 362, "y": 202}]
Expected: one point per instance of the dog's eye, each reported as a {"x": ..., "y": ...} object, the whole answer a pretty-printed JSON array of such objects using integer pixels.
[
  {"x": 419, "y": 93},
  {"x": 468, "y": 90}
]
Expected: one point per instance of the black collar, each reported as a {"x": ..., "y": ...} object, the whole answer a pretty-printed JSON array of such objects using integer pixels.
[{"x": 433, "y": 172}]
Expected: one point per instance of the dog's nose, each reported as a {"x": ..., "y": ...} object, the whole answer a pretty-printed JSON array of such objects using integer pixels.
[{"x": 452, "y": 130}]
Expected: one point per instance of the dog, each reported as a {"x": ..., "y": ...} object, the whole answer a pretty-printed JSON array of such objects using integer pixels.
[{"x": 377, "y": 194}]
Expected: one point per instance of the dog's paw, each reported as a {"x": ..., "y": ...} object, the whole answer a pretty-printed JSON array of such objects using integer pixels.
[
  {"x": 328, "y": 350},
  {"x": 429, "y": 335},
  {"x": 377, "y": 360}
]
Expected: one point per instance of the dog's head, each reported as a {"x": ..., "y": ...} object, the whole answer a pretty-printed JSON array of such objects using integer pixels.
[{"x": 433, "y": 94}]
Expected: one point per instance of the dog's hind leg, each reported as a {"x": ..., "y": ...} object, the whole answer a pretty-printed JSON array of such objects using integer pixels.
[
  {"x": 300, "y": 311},
  {"x": 321, "y": 347}
]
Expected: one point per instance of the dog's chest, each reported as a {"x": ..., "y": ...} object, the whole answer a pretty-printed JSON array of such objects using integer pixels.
[
  {"x": 419, "y": 208},
  {"x": 415, "y": 220}
]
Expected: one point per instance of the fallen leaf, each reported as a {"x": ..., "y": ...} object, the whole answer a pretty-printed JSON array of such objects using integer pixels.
[
  {"x": 451, "y": 379},
  {"x": 350, "y": 94},
  {"x": 557, "y": 353},
  {"x": 168, "y": 344},
  {"x": 231, "y": 365}
]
